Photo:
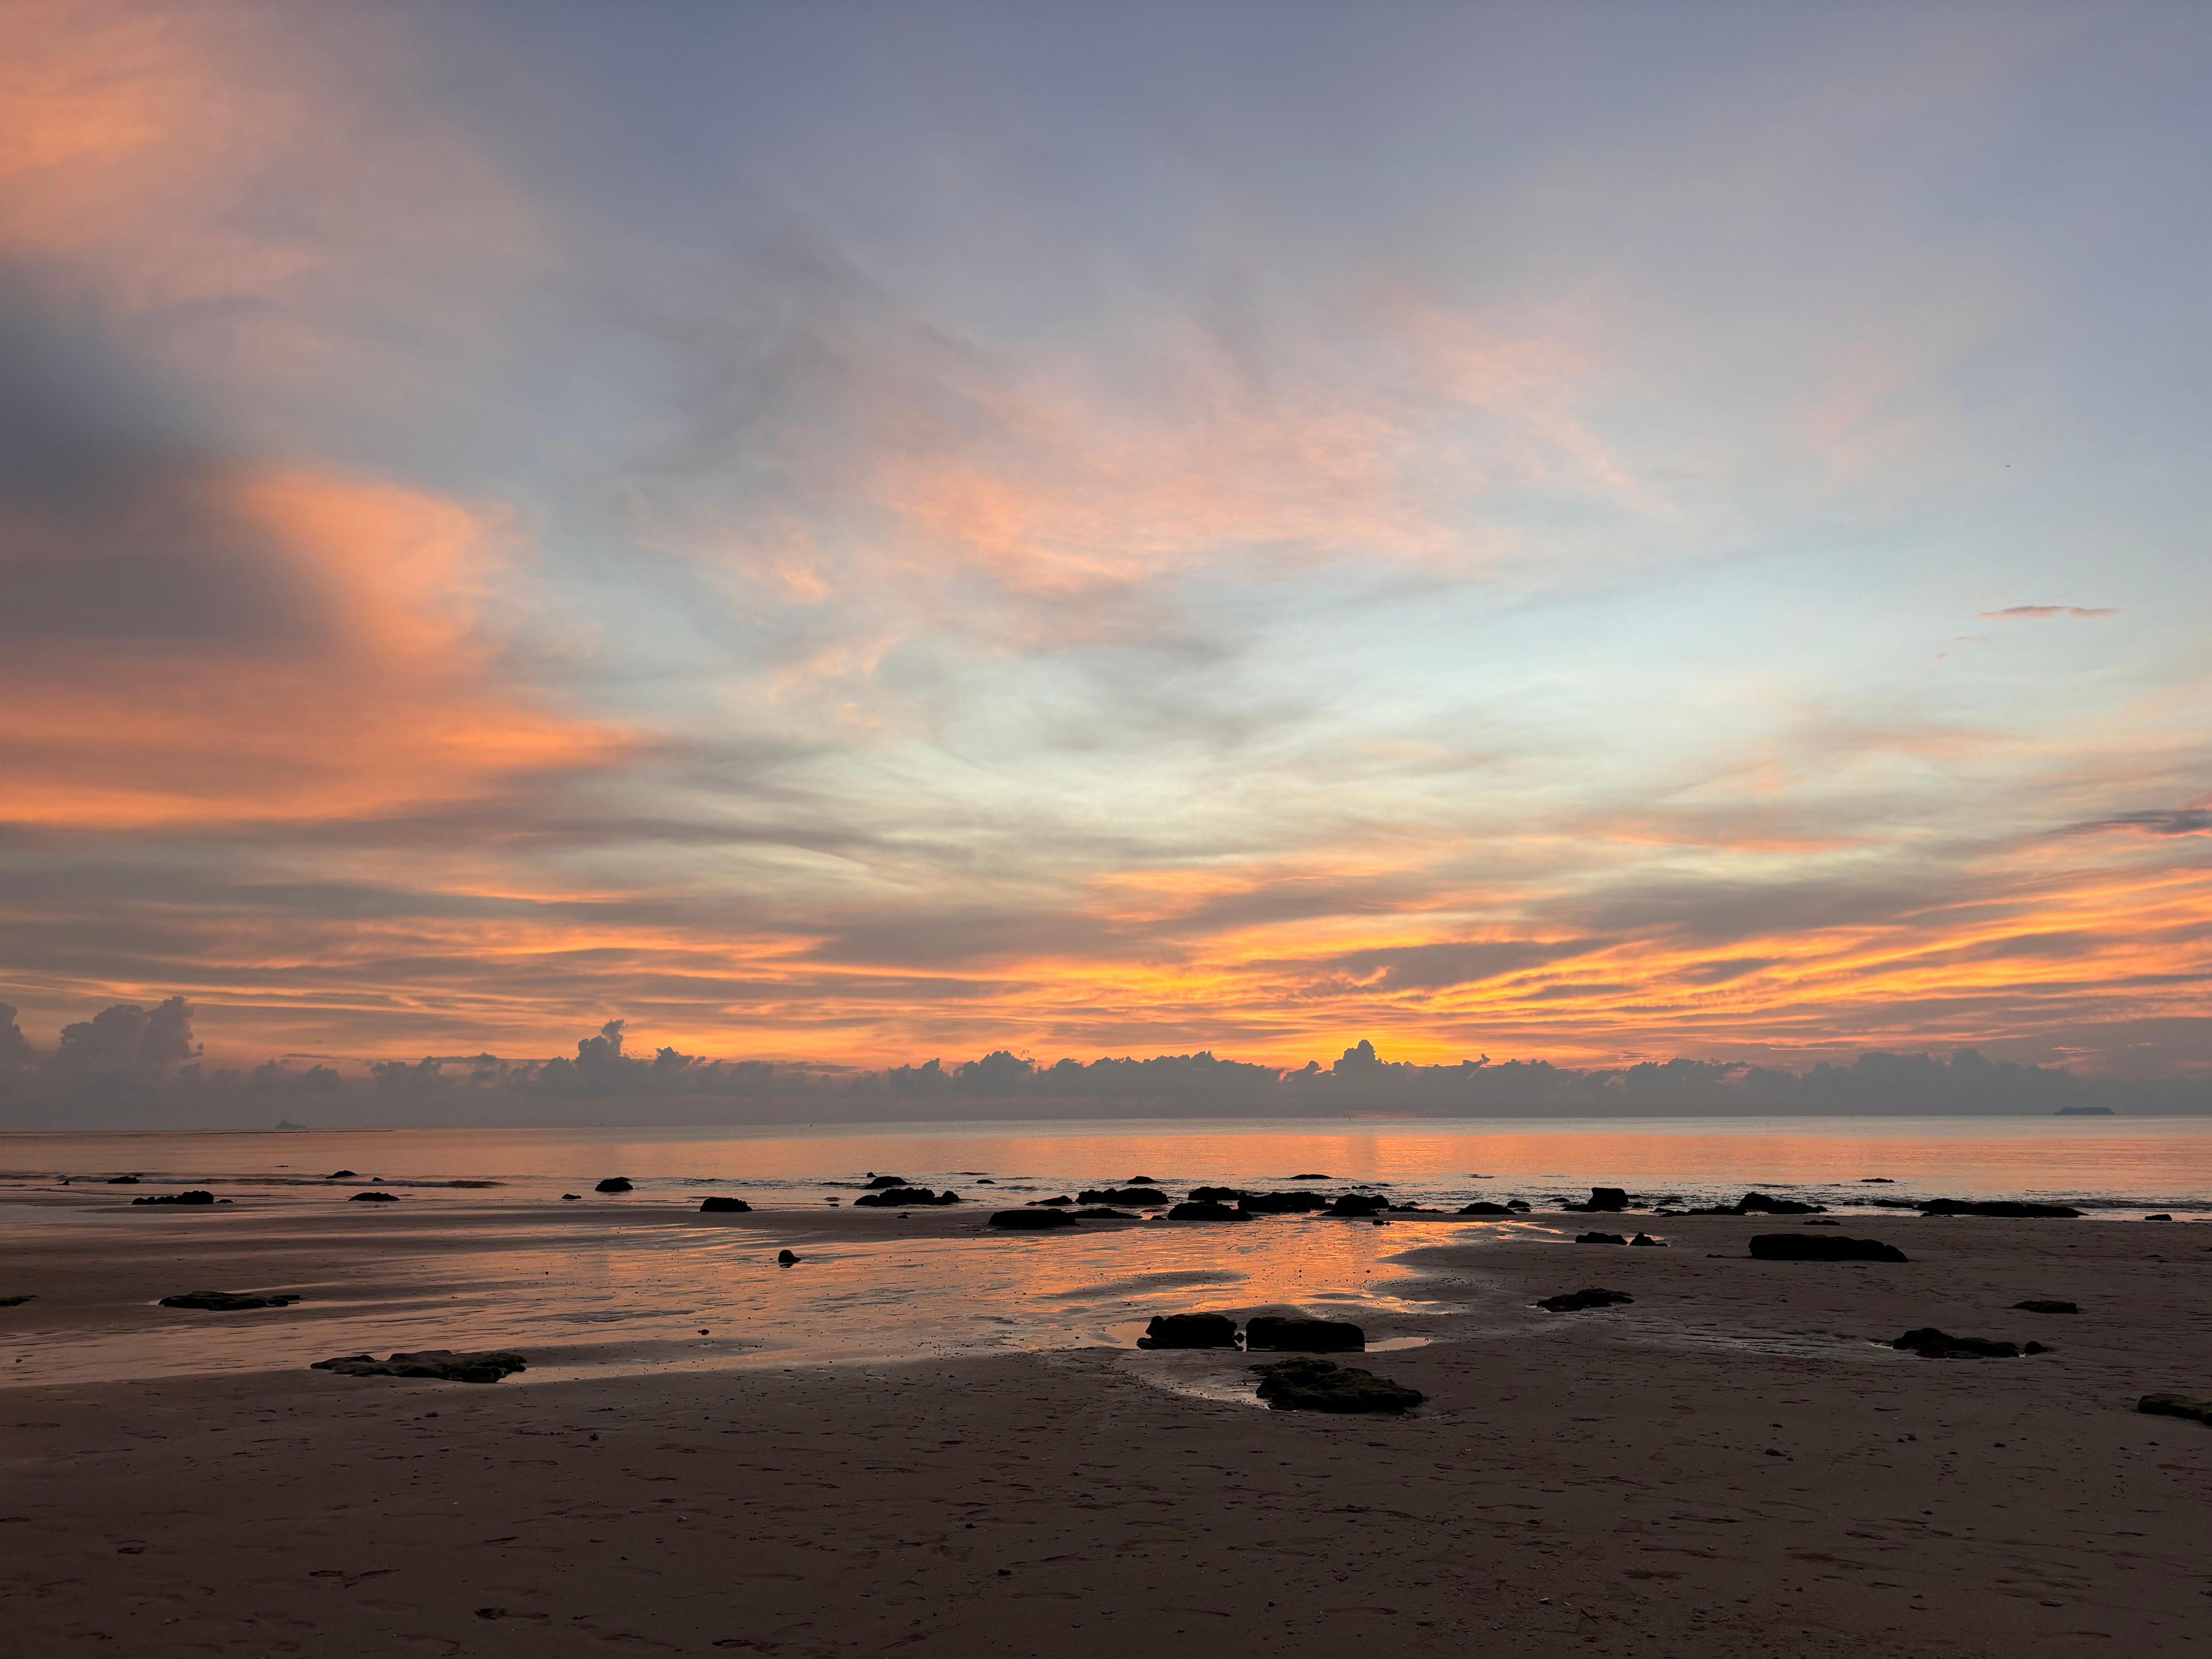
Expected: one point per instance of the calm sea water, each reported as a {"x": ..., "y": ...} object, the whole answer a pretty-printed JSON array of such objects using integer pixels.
[
  {"x": 636, "y": 1283},
  {"x": 2116, "y": 1163}
]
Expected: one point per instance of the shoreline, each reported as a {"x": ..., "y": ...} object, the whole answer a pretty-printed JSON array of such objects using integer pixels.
[{"x": 1727, "y": 1466}]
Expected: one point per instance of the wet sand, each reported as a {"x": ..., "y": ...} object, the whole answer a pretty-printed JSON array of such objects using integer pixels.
[{"x": 1728, "y": 1466}]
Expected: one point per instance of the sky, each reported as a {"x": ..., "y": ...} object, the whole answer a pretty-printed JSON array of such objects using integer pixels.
[{"x": 845, "y": 532}]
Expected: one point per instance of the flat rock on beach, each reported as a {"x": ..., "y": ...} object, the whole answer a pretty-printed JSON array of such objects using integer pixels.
[{"x": 441, "y": 1364}]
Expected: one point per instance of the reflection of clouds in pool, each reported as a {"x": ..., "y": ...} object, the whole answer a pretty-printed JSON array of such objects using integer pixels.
[{"x": 652, "y": 1286}]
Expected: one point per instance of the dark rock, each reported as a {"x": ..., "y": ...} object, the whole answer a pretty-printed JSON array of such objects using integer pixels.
[
  {"x": 1819, "y": 1247},
  {"x": 882, "y": 1183},
  {"x": 785, "y": 1258},
  {"x": 1358, "y": 1205},
  {"x": 612, "y": 1184},
  {"x": 904, "y": 1197},
  {"x": 2034, "y": 1347},
  {"x": 476, "y": 1183},
  {"x": 1484, "y": 1209},
  {"x": 1142, "y": 1181},
  {"x": 1996, "y": 1207},
  {"x": 1520, "y": 1204},
  {"x": 373, "y": 1198},
  {"x": 2195, "y": 1408},
  {"x": 1413, "y": 1209},
  {"x": 1122, "y": 1195},
  {"x": 1206, "y": 1210},
  {"x": 1646, "y": 1239},
  {"x": 1824, "y": 1221},
  {"x": 1198, "y": 1330},
  {"x": 1762, "y": 1204},
  {"x": 342, "y": 1174},
  {"x": 1876, "y": 1180},
  {"x": 1216, "y": 1194},
  {"x": 1104, "y": 1213},
  {"x": 2158, "y": 1217},
  {"x": 724, "y": 1207},
  {"x": 1281, "y": 1203},
  {"x": 194, "y": 1197},
  {"x": 1031, "y": 1221},
  {"x": 1062, "y": 1198},
  {"x": 227, "y": 1301},
  {"x": 1320, "y": 1385},
  {"x": 15, "y": 1301},
  {"x": 1932, "y": 1344},
  {"x": 1578, "y": 1301},
  {"x": 1604, "y": 1199},
  {"x": 2046, "y": 1307},
  {"x": 1599, "y": 1238},
  {"x": 123, "y": 1181},
  {"x": 567, "y": 1197},
  {"x": 444, "y": 1365},
  {"x": 1282, "y": 1334},
  {"x": 1313, "y": 1174}
]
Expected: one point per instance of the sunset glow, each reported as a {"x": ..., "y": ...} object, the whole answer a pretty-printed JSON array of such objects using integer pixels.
[{"x": 857, "y": 534}]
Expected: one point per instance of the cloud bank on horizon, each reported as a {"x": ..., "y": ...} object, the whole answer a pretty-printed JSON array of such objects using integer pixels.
[{"x": 852, "y": 533}]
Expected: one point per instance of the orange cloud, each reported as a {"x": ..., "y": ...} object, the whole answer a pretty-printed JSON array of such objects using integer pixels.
[{"x": 388, "y": 696}]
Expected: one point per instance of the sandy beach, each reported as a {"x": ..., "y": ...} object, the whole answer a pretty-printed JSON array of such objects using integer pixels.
[{"x": 1729, "y": 1465}]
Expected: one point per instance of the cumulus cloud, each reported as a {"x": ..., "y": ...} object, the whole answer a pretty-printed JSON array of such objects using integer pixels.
[
  {"x": 15, "y": 1052},
  {"x": 126, "y": 1043}
]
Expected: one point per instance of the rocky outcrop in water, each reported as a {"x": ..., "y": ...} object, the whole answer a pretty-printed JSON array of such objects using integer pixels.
[
  {"x": 1819, "y": 1247},
  {"x": 905, "y": 1198},
  {"x": 1193, "y": 1330},
  {"x": 1207, "y": 1210},
  {"x": 1284, "y": 1334},
  {"x": 718, "y": 1206},
  {"x": 878, "y": 1183},
  {"x": 1144, "y": 1195},
  {"x": 1581, "y": 1301},
  {"x": 1031, "y": 1221},
  {"x": 228, "y": 1301},
  {"x": 1217, "y": 1194},
  {"x": 373, "y": 1198},
  {"x": 2195, "y": 1408},
  {"x": 443, "y": 1364},
  {"x": 2012, "y": 1208},
  {"x": 613, "y": 1184},
  {"x": 1765, "y": 1203},
  {"x": 342, "y": 1174},
  {"x": 196, "y": 1197},
  {"x": 1604, "y": 1201},
  {"x": 1358, "y": 1206},
  {"x": 1482, "y": 1208},
  {"x": 1282, "y": 1203},
  {"x": 1320, "y": 1385}
]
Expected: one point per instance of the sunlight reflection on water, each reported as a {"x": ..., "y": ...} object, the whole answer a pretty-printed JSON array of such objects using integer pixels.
[{"x": 632, "y": 1286}]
